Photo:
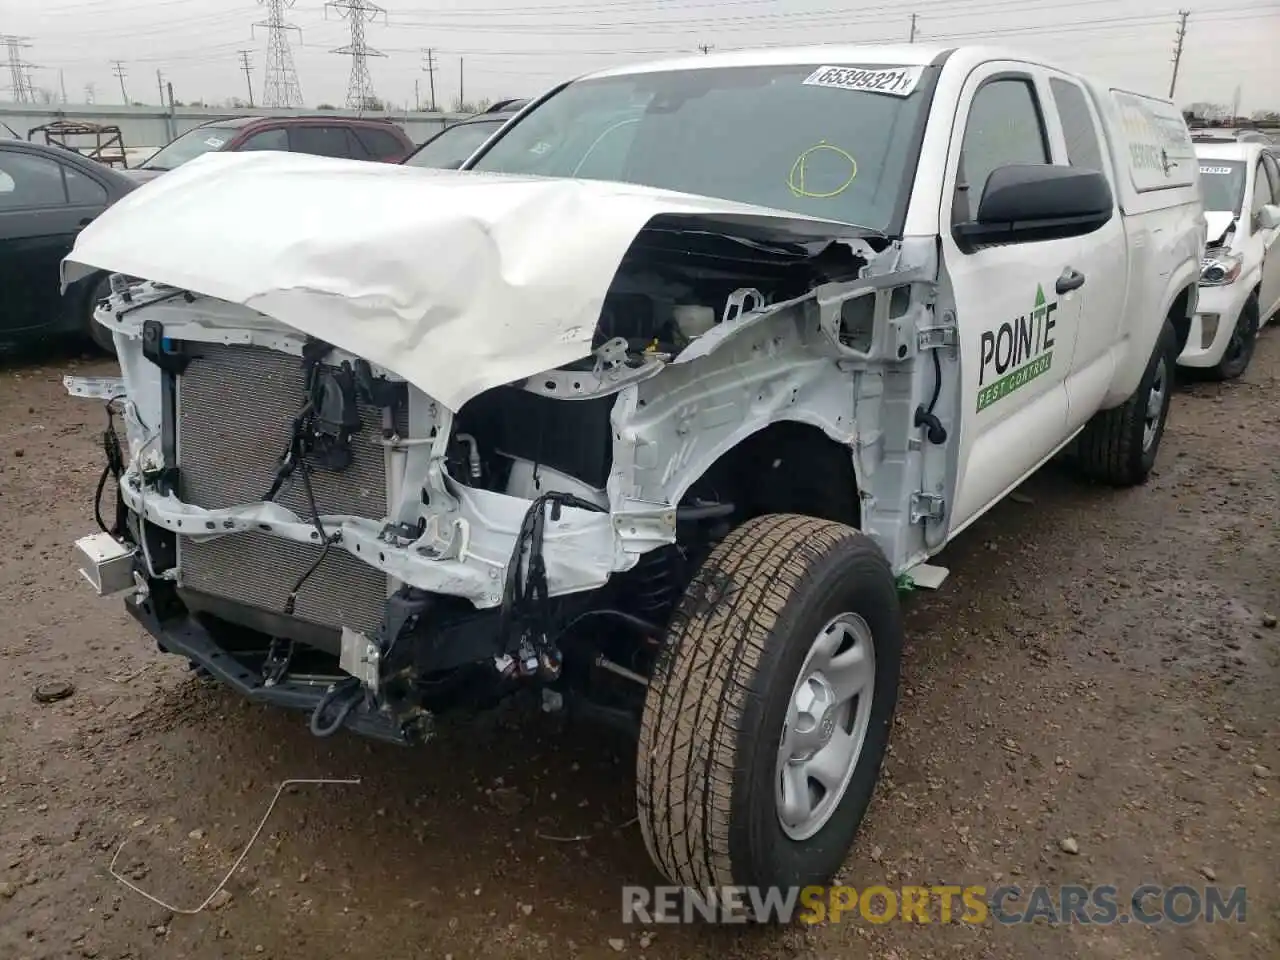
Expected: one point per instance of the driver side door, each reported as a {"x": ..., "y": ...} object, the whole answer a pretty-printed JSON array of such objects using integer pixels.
[{"x": 1017, "y": 304}]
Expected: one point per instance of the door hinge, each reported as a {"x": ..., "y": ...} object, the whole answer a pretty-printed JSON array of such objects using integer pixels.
[
  {"x": 935, "y": 338},
  {"x": 927, "y": 506}
]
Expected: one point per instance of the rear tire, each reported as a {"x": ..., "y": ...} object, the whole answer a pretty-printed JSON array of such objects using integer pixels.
[
  {"x": 1244, "y": 337},
  {"x": 1119, "y": 446},
  {"x": 99, "y": 289},
  {"x": 736, "y": 719}
]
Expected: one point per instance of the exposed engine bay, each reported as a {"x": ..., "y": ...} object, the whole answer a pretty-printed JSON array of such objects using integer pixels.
[{"x": 318, "y": 531}]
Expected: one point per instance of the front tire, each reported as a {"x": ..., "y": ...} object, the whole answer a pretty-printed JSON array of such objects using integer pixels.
[
  {"x": 1119, "y": 446},
  {"x": 99, "y": 289},
  {"x": 1244, "y": 337},
  {"x": 768, "y": 712}
]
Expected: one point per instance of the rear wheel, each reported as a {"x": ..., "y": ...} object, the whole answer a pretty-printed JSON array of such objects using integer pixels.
[
  {"x": 1244, "y": 337},
  {"x": 1119, "y": 446},
  {"x": 769, "y": 710},
  {"x": 100, "y": 289}
]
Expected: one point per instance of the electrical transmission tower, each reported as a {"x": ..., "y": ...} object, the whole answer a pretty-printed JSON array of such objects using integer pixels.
[
  {"x": 281, "y": 88},
  {"x": 19, "y": 69},
  {"x": 358, "y": 13}
]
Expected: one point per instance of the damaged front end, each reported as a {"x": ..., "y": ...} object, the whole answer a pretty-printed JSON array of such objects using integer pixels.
[{"x": 319, "y": 530}]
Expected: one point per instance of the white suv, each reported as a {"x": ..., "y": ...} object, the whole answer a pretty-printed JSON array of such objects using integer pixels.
[{"x": 1240, "y": 277}]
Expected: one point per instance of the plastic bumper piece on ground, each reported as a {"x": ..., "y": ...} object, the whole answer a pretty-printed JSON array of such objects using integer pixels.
[{"x": 186, "y": 637}]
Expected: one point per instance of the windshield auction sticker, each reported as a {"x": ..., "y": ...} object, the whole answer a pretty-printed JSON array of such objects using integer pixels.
[
  {"x": 897, "y": 82},
  {"x": 1217, "y": 171}
]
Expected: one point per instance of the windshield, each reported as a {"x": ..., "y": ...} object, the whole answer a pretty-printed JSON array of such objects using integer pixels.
[
  {"x": 807, "y": 139},
  {"x": 448, "y": 149},
  {"x": 189, "y": 146},
  {"x": 1222, "y": 184}
]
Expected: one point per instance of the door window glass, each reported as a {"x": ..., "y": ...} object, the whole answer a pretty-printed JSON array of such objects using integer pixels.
[
  {"x": 277, "y": 139},
  {"x": 380, "y": 144},
  {"x": 82, "y": 188},
  {"x": 1004, "y": 127},
  {"x": 321, "y": 141},
  {"x": 1273, "y": 168},
  {"x": 1261, "y": 189},
  {"x": 30, "y": 181}
]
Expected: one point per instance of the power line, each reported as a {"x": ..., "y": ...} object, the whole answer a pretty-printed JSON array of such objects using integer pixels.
[
  {"x": 247, "y": 67},
  {"x": 1177, "y": 49},
  {"x": 360, "y": 85},
  {"x": 281, "y": 87},
  {"x": 119, "y": 71}
]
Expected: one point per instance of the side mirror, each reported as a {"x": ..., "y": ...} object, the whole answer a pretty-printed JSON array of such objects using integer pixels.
[
  {"x": 1269, "y": 217},
  {"x": 1026, "y": 203}
]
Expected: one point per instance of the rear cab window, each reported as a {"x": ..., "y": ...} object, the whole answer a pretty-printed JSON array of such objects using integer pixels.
[{"x": 1079, "y": 130}]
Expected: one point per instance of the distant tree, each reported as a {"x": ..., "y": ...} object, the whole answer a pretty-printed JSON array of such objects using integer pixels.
[
  {"x": 1272, "y": 116},
  {"x": 44, "y": 95},
  {"x": 483, "y": 105},
  {"x": 1204, "y": 110},
  {"x": 326, "y": 106},
  {"x": 463, "y": 106}
]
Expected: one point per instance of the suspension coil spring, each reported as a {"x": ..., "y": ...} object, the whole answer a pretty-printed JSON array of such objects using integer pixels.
[{"x": 656, "y": 586}]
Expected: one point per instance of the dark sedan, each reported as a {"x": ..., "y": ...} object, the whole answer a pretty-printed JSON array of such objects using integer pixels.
[{"x": 47, "y": 196}]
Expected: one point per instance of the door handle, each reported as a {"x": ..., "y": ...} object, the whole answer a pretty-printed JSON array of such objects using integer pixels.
[{"x": 1070, "y": 280}]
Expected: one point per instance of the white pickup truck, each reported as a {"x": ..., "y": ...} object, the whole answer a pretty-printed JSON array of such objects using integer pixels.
[{"x": 647, "y": 413}]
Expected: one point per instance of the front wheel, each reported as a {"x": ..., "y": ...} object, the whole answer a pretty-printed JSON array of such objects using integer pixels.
[
  {"x": 768, "y": 713},
  {"x": 99, "y": 289},
  {"x": 1244, "y": 337},
  {"x": 1119, "y": 446}
]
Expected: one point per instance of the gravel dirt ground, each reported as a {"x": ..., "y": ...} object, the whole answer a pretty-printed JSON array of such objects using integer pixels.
[{"x": 1101, "y": 667}]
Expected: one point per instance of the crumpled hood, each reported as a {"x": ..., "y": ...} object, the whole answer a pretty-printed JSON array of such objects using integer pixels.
[{"x": 457, "y": 282}]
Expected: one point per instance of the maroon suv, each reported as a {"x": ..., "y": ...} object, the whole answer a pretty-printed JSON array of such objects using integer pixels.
[{"x": 346, "y": 137}]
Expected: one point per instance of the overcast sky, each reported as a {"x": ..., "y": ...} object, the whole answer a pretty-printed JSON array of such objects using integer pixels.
[{"x": 513, "y": 48}]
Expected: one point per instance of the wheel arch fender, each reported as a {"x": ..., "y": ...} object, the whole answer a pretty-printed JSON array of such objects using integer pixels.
[
  {"x": 1178, "y": 303},
  {"x": 764, "y": 447}
]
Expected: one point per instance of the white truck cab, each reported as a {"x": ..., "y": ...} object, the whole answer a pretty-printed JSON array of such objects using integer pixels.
[
  {"x": 1240, "y": 276},
  {"x": 654, "y": 406}
]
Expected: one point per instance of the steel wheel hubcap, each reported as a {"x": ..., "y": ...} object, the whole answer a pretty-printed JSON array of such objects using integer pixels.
[
  {"x": 1155, "y": 404},
  {"x": 826, "y": 724}
]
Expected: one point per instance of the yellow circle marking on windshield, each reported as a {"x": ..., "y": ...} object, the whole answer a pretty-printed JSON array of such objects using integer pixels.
[{"x": 795, "y": 180}]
